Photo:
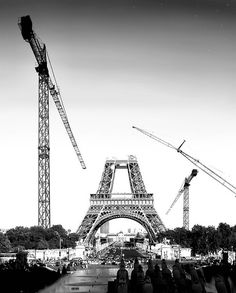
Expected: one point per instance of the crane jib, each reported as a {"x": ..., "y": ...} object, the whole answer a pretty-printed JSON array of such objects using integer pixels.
[
  {"x": 39, "y": 50},
  {"x": 194, "y": 161}
]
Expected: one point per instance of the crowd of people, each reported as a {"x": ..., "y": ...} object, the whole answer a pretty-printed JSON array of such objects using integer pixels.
[{"x": 179, "y": 279}]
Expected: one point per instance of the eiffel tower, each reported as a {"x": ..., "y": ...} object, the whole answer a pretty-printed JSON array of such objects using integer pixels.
[{"x": 106, "y": 206}]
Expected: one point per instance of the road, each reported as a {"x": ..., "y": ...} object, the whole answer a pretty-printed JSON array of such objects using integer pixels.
[{"x": 95, "y": 278}]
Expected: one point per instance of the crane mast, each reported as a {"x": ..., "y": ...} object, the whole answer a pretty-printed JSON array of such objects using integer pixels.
[
  {"x": 185, "y": 191},
  {"x": 45, "y": 86},
  {"x": 194, "y": 161}
]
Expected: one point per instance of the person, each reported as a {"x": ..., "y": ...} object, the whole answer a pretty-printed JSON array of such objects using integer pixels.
[
  {"x": 150, "y": 271},
  {"x": 64, "y": 271},
  {"x": 147, "y": 286},
  {"x": 140, "y": 279},
  {"x": 158, "y": 281},
  {"x": 122, "y": 278},
  {"x": 168, "y": 284},
  {"x": 179, "y": 278},
  {"x": 195, "y": 282},
  {"x": 134, "y": 276}
]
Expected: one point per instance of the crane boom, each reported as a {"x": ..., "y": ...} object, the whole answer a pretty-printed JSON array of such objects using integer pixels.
[
  {"x": 39, "y": 50},
  {"x": 56, "y": 98},
  {"x": 194, "y": 161},
  {"x": 46, "y": 86}
]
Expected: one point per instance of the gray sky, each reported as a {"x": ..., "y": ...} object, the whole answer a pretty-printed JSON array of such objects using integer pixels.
[{"x": 169, "y": 69}]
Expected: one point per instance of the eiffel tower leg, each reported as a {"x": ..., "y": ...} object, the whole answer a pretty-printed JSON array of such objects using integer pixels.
[{"x": 87, "y": 224}]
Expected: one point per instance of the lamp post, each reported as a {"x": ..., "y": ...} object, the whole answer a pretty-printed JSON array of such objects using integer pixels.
[{"x": 59, "y": 237}]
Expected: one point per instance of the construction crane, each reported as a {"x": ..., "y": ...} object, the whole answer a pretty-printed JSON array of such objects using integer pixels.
[
  {"x": 194, "y": 161},
  {"x": 185, "y": 190},
  {"x": 46, "y": 85}
]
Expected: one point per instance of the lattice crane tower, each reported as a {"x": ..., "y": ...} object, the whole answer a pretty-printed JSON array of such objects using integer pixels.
[
  {"x": 45, "y": 86},
  {"x": 105, "y": 205},
  {"x": 185, "y": 191}
]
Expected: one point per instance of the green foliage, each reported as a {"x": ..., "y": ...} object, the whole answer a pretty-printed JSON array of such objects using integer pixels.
[
  {"x": 19, "y": 236},
  {"x": 202, "y": 239},
  {"x": 71, "y": 240},
  {"x": 36, "y": 237},
  {"x": 5, "y": 244},
  {"x": 224, "y": 233}
]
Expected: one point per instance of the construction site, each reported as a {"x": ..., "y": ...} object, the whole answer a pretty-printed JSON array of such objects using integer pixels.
[
  {"x": 118, "y": 149},
  {"x": 104, "y": 204}
]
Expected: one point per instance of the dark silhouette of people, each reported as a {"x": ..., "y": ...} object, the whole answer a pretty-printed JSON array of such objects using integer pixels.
[
  {"x": 168, "y": 285},
  {"x": 122, "y": 278},
  {"x": 150, "y": 271},
  {"x": 140, "y": 279},
  {"x": 158, "y": 280},
  {"x": 147, "y": 286},
  {"x": 133, "y": 282}
]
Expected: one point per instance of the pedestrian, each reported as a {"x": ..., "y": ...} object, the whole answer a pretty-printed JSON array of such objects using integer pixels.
[
  {"x": 168, "y": 284},
  {"x": 150, "y": 271},
  {"x": 122, "y": 278},
  {"x": 195, "y": 281},
  {"x": 147, "y": 286},
  {"x": 140, "y": 279},
  {"x": 179, "y": 279},
  {"x": 158, "y": 280},
  {"x": 134, "y": 276}
]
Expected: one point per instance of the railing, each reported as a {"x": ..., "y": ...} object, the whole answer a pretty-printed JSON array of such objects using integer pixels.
[{"x": 122, "y": 195}]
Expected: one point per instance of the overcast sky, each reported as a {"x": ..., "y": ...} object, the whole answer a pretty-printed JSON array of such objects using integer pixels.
[{"x": 169, "y": 69}]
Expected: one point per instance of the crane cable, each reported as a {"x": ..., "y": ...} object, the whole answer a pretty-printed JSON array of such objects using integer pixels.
[
  {"x": 196, "y": 162},
  {"x": 56, "y": 84}
]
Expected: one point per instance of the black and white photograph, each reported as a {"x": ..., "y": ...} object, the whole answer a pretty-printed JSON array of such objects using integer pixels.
[{"x": 118, "y": 146}]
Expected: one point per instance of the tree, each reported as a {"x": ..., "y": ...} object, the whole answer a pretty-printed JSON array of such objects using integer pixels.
[
  {"x": 19, "y": 236},
  {"x": 5, "y": 244},
  {"x": 61, "y": 231},
  {"x": 71, "y": 240},
  {"x": 198, "y": 240},
  {"x": 168, "y": 234},
  {"x": 212, "y": 242},
  {"x": 42, "y": 244},
  {"x": 224, "y": 233},
  {"x": 232, "y": 241},
  {"x": 37, "y": 238},
  {"x": 182, "y": 237},
  {"x": 55, "y": 235}
]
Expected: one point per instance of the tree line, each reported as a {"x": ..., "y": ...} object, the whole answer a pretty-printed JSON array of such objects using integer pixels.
[
  {"x": 203, "y": 240},
  {"x": 36, "y": 237},
  {"x": 200, "y": 239}
]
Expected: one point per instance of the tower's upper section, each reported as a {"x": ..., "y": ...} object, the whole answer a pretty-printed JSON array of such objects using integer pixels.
[{"x": 135, "y": 178}]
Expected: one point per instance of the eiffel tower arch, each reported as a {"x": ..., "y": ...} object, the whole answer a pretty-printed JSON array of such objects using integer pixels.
[{"x": 105, "y": 205}]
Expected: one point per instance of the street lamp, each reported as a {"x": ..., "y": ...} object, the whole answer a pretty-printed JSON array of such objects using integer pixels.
[{"x": 59, "y": 237}]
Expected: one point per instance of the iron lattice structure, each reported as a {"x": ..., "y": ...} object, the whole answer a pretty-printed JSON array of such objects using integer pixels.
[
  {"x": 46, "y": 85},
  {"x": 186, "y": 206},
  {"x": 44, "y": 217},
  {"x": 105, "y": 205},
  {"x": 185, "y": 191}
]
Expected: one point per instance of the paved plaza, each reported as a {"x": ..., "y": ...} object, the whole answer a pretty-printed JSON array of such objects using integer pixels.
[{"x": 92, "y": 279}]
